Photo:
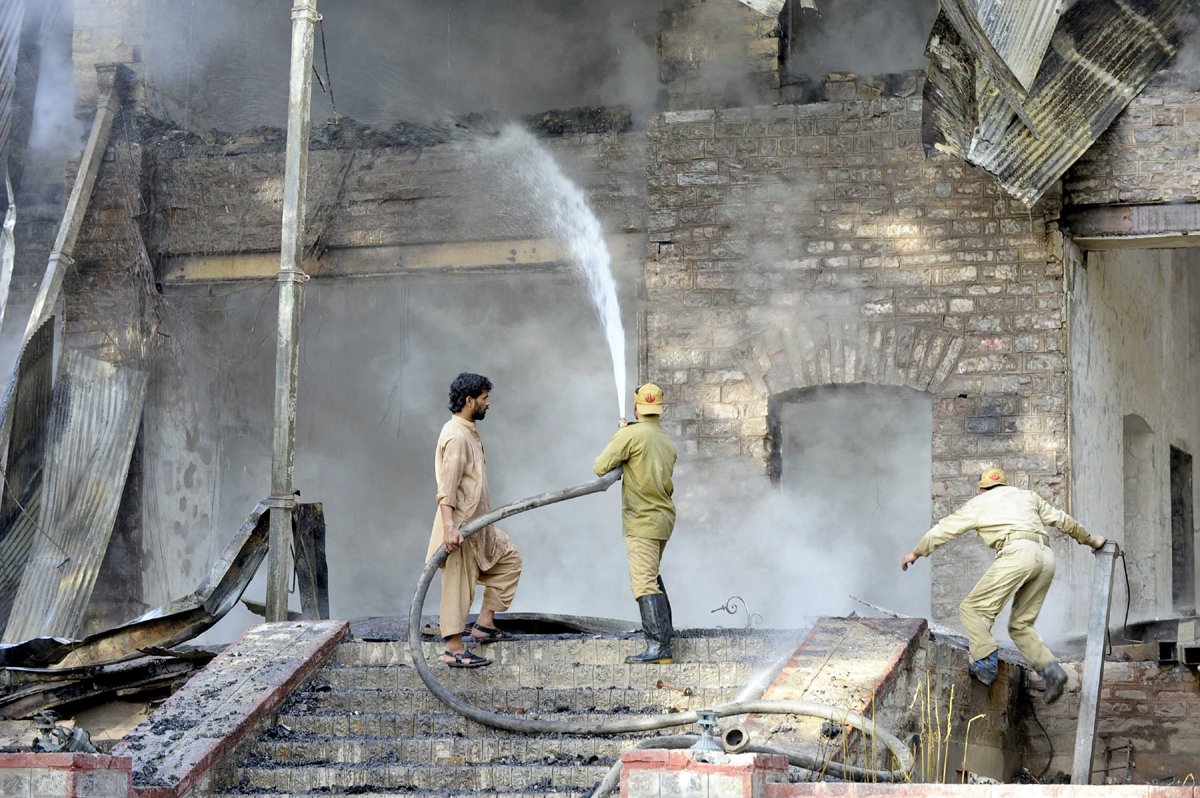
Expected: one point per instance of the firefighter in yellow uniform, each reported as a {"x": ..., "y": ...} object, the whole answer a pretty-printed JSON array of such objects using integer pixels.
[
  {"x": 647, "y": 458},
  {"x": 1009, "y": 520}
]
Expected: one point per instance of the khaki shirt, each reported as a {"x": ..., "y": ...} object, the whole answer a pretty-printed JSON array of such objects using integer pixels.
[
  {"x": 648, "y": 459},
  {"x": 997, "y": 513},
  {"x": 461, "y": 469}
]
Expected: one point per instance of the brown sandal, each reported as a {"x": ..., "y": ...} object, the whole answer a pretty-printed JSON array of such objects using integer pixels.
[{"x": 490, "y": 635}]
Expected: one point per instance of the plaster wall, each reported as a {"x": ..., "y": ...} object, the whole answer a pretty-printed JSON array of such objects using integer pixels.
[{"x": 1133, "y": 373}]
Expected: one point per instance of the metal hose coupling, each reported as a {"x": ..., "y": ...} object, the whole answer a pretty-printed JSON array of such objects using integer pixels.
[{"x": 735, "y": 740}]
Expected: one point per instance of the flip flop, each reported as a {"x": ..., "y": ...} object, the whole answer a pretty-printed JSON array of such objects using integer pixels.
[
  {"x": 490, "y": 635},
  {"x": 465, "y": 659}
]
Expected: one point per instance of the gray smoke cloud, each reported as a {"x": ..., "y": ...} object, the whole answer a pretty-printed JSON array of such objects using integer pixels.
[
  {"x": 224, "y": 63},
  {"x": 865, "y": 37}
]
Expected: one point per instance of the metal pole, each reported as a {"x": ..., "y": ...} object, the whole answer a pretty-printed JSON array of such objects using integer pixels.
[
  {"x": 114, "y": 81},
  {"x": 291, "y": 304},
  {"x": 1093, "y": 665}
]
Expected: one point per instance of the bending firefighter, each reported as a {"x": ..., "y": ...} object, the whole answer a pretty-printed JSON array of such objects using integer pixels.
[
  {"x": 1010, "y": 521},
  {"x": 647, "y": 458}
]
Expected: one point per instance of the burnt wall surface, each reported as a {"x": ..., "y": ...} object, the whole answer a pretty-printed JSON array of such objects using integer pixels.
[
  {"x": 364, "y": 189},
  {"x": 797, "y": 246},
  {"x": 1147, "y": 706},
  {"x": 1150, "y": 153},
  {"x": 717, "y": 54}
]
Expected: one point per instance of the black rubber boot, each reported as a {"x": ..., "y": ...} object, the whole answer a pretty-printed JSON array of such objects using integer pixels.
[
  {"x": 663, "y": 589},
  {"x": 656, "y": 626},
  {"x": 1056, "y": 680}
]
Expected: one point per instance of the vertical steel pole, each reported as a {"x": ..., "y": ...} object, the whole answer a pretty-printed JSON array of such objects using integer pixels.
[
  {"x": 1093, "y": 665},
  {"x": 291, "y": 303}
]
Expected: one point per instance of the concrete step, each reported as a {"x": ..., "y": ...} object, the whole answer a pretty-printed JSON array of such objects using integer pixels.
[
  {"x": 521, "y": 699},
  {"x": 754, "y": 645},
  {"x": 443, "y": 749},
  {"x": 391, "y": 775},
  {"x": 549, "y": 792},
  {"x": 428, "y": 724},
  {"x": 547, "y": 674}
]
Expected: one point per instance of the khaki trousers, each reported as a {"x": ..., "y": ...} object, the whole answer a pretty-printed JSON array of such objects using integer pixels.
[
  {"x": 1022, "y": 571},
  {"x": 644, "y": 556},
  {"x": 460, "y": 576}
]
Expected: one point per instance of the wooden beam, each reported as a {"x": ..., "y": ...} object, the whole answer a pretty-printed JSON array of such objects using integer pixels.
[
  {"x": 1173, "y": 224},
  {"x": 375, "y": 261}
]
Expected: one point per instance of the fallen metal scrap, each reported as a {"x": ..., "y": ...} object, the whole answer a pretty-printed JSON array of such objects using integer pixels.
[
  {"x": 30, "y": 692},
  {"x": 169, "y": 625}
]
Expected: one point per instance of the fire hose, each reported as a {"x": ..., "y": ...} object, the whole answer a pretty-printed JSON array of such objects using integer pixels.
[{"x": 646, "y": 723}]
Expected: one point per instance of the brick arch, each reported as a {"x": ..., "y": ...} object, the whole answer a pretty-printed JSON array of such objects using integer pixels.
[{"x": 813, "y": 353}]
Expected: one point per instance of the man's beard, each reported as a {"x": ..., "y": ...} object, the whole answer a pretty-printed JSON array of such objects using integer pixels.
[{"x": 479, "y": 414}]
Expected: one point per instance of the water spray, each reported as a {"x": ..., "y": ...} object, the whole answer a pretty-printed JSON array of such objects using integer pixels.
[{"x": 566, "y": 207}]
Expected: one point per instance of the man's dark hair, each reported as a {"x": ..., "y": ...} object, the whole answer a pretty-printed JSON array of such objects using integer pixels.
[{"x": 467, "y": 386}]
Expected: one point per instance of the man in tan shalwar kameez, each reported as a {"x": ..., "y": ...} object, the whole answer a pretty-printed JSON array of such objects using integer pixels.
[{"x": 488, "y": 557}]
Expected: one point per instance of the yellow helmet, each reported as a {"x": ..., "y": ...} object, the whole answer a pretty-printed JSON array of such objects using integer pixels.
[{"x": 991, "y": 477}]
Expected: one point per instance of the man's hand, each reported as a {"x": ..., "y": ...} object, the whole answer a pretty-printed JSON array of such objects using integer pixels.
[
  {"x": 452, "y": 538},
  {"x": 908, "y": 560},
  {"x": 1098, "y": 542}
]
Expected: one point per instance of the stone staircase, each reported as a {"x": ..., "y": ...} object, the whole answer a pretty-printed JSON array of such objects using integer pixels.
[{"x": 365, "y": 724}]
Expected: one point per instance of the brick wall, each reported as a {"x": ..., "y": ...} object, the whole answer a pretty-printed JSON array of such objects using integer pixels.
[
  {"x": 227, "y": 197},
  {"x": 717, "y": 54},
  {"x": 64, "y": 776},
  {"x": 1151, "y": 706},
  {"x": 1150, "y": 152},
  {"x": 805, "y": 245}
]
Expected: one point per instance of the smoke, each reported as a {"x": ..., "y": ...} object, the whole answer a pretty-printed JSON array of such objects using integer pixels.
[
  {"x": 224, "y": 63},
  {"x": 55, "y": 130},
  {"x": 865, "y": 37}
]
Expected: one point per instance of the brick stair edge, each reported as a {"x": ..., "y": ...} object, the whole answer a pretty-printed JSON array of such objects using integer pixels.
[{"x": 222, "y": 748}]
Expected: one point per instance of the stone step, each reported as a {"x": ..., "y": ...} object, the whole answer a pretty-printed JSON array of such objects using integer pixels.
[
  {"x": 432, "y": 724},
  {"x": 549, "y": 792},
  {"x": 444, "y": 749},
  {"x": 391, "y": 775},
  {"x": 521, "y": 699},
  {"x": 731, "y": 646},
  {"x": 554, "y": 674}
]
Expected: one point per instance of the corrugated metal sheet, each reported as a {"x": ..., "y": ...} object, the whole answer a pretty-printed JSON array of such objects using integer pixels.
[
  {"x": 1020, "y": 30},
  {"x": 96, "y": 413},
  {"x": 25, "y": 411},
  {"x": 949, "y": 110},
  {"x": 1100, "y": 56},
  {"x": 769, "y": 8},
  {"x": 12, "y": 15},
  {"x": 180, "y": 620}
]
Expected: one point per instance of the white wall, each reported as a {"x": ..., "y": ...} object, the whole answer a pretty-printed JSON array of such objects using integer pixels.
[{"x": 1134, "y": 341}]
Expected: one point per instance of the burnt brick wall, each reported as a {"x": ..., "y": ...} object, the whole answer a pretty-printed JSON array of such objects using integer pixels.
[
  {"x": 227, "y": 198},
  {"x": 804, "y": 245},
  {"x": 717, "y": 54},
  {"x": 1150, "y": 153},
  {"x": 106, "y": 289},
  {"x": 1152, "y": 706}
]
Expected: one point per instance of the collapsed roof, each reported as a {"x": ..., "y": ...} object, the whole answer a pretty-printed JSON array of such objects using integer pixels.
[{"x": 1022, "y": 88}]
